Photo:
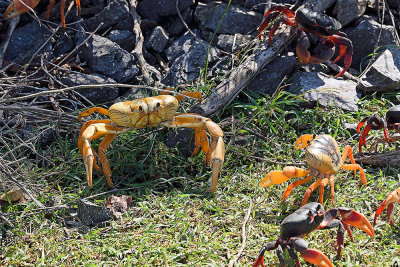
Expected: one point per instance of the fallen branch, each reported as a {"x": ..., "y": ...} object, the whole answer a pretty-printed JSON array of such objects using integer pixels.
[
  {"x": 379, "y": 159},
  {"x": 246, "y": 72},
  {"x": 138, "y": 50},
  {"x": 243, "y": 245}
]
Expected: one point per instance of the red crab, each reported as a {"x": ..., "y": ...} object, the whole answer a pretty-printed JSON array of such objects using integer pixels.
[
  {"x": 392, "y": 198},
  {"x": 308, "y": 218},
  {"x": 374, "y": 122},
  {"x": 17, "y": 8},
  {"x": 308, "y": 21}
]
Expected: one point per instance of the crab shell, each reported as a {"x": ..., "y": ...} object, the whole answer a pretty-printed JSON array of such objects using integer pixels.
[{"x": 323, "y": 155}]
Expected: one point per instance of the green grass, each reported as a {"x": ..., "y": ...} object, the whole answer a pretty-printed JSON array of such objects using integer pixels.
[{"x": 173, "y": 221}]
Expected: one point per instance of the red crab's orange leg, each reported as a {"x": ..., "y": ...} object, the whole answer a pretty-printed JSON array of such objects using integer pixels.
[
  {"x": 217, "y": 147},
  {"x": 278, "y": 177},
  {"x": 296, "y": 184},
  {"x": 49, "y": 8},
  {"x": 62, "y": 15},
  {"x": 91, "y": 111},
  {"x": 309, "y": 190},
  {"x": 392, "y": 198},
  {"x": 288, "y": 18},
  {"x": 316, "y": 257},
  {"x": 341, "y": 40},
  {"x": 17, "y": 8},
  {"x": 348, "y": 152}
]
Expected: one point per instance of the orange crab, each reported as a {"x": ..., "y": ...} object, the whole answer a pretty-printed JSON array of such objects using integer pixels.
[
  {"x": 18, "y": 7},
  {"x": 144, "y": 112},
  {"x": 323, "y": 156}
]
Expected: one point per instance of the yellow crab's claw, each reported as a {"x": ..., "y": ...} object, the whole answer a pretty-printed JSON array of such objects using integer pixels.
[
  {"x": 17, "y": 8},
  {"x": 303, "y": 141},
  {"x": 274, "y": 177}
]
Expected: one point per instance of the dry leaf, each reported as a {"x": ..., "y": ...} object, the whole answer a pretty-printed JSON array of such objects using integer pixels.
[{"x": 119, "y": 205}]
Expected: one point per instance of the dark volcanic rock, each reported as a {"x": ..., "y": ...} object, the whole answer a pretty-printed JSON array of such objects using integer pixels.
[
  {"x": 188, "y": 55},
  {"x": 95, "y": 95},
  {"x": 116, "y": 11},
  {"x": 91, "y": 214},
  {"x": 236, "y": 20},
  {"x": 267, "y": 81},
  {"x": 108, "y": 58},
  {"x": 347, "y": 11},
  {"x": 364, "y": 37},
  {"x": 125, "y": 39},
  {"x": 26, "y": 41},
  {"x": 157, "y": 39},
  {"x": 384, "y": 74},
  {"x": 233, "y": 43},
  {"x": 327, "y": 91},
  {"x": 155, "y": 9}
]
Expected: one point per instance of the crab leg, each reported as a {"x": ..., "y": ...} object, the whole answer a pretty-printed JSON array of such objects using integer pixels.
[
  {"x": 180, "y": 98},
  {"x": 295, "y": 184},
  {"x": 309, "y": 190},
  {"x": 201, "y": 125},
  {"x": 278, "y": 177},
  {"x": 342, "y": 41},
  {"x": 18, "y": 7},
  {"x": 94, "y": 131},
  {"x": 392, "y": 198},
  {"x": 322, "y": 185},
  {"x": 288, "y": 18},
  {"x": 269, "y": 246},
  {"x": 311, "y": 255},
  {"x": 348, "y": 152}
]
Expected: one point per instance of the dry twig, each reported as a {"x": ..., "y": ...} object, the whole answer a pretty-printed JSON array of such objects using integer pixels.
[{"x": 243, "y": 245}]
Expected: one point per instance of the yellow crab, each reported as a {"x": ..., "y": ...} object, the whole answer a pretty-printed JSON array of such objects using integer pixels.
[
  {"x": 323, "y": 156},
  {"x": 144, "y": 112}
]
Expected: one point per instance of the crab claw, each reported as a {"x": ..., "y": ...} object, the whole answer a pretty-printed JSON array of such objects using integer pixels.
[
  {"x": 274, "y": 177},
  {"x": 303, "y": 141},
  {"x": 357, "y": 220},
  {"x": 17, "y": 8},
  {"x": 316, "y": 257},
  {"x": 389, "y": 201}
]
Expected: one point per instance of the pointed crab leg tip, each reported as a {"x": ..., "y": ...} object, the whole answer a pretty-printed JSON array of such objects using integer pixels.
[
  {"x": 316, "y": 257},
  {"x": 360, "y": 221}
]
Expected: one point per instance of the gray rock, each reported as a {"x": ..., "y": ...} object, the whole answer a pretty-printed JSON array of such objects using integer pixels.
[
  {"x": 175, "y": 25},
  {"x": 116, "y": 11},
  {"x": 347, "y": 11},
  {"x": 108, "y": 58},
  {"x": 26, "y": 41},
  {"x": 384, "y": 74},
  {"x": 154, "y": 9},
  {"x": 93, "y": 215},
  {"x": 327, "y": 91},
  {"x": 364, "y": 37},
  {"x": 188, "y": 55},
  {"x": 125, "y": 39},
  {"x": 95, "y": 95},
  {"x": 233, "y": 43},
  {"x": 267, "y": 81},
  {"x": 236, "y": 20},
  {"x": 260, "y": 5},
  {"x": 63, "y": 45},
  {"x": 157, "y": 39}
]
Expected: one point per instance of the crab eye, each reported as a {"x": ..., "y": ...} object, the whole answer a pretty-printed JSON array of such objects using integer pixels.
[
  {"x": 158, "y": 105},
  {"x": 140, "y": 109}
]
